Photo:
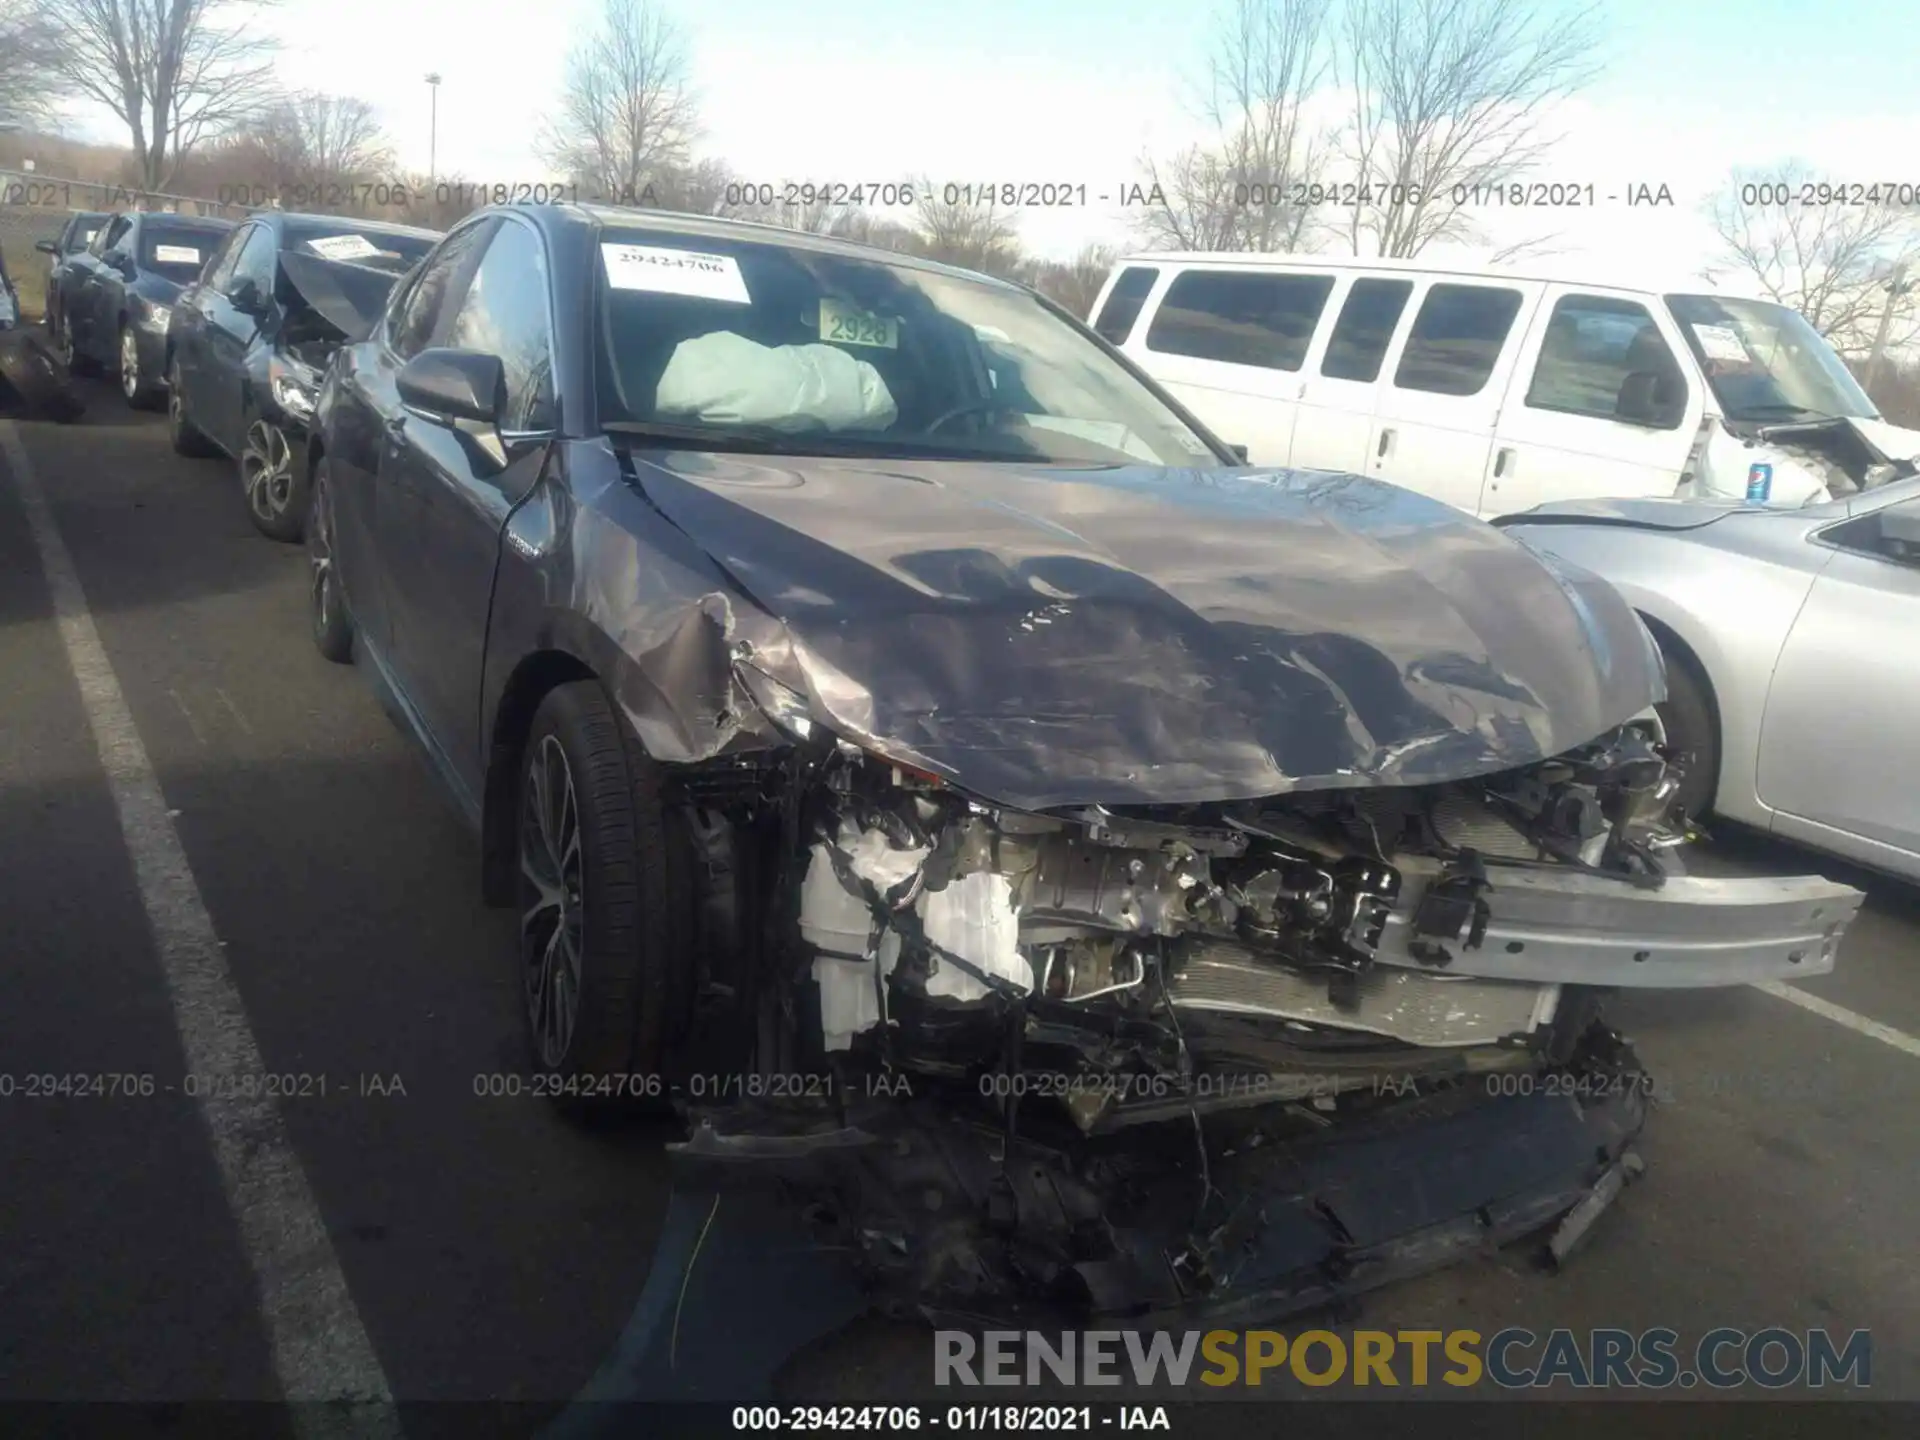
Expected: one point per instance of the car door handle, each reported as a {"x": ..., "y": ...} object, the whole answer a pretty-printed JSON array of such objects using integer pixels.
[
  {"x": 1501, "y": 459},
  {"x": 1386, "y": 443}
]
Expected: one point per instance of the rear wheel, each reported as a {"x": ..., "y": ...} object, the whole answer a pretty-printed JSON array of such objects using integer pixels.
[
  {"x": 331, "y": 622},
  {"x": 275, "y": 484},
  {"x": 1692, "y": 732},
  {"x": 187, "y": 437},
  {"x": 603, "y": 896}
]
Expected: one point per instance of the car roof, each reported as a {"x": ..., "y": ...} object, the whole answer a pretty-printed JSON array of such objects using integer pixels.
[
  {"x": 346, "y": 222},
  {"x": 714, "y": 227},
  {"x": 188, "y": 222},
  {"x": 1564, "y": 272}
]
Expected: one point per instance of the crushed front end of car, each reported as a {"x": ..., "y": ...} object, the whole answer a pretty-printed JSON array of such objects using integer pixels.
[
  {"x": 1144, "y": 895},
  {"x": 1219, "y": 1059}
]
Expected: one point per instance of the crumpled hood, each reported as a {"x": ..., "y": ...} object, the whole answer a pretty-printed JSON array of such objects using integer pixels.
[
  {"x": 1047, "y": 636},
  {"x": 348, "y": 297}
]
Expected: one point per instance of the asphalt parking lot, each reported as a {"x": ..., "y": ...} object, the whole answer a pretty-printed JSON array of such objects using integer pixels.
[{"x": 491, "y": 1250}]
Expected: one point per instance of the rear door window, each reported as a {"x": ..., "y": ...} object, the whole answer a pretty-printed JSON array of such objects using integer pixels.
[
  {"x": 1240, "y": 317},
  {"x": 1457, "y": 338},
  {"x": 1592, "y": 344},
  {"x": 1365, "y": 329},
  {"x": 1129, "y": 293}
]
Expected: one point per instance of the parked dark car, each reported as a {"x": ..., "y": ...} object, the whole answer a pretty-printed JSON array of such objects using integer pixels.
[
  {"x": 1093, "y": 868},
  {"x": 74, "y": 237},
  {"x": 250, "y": 339},
  {"x": 117, "y": 295}
]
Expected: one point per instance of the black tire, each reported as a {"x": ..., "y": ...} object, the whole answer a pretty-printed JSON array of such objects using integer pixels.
[
  {"x": 33, "y": 374},
  {"x": 70, "y": 354},
  {"x": 624, "y": 901},
  {"x": 1693, "y": 732},
  {"x": 187, "y": 437},
  {"x": 273, "y": 481},
  {"x": 330, "y": 621},
  {"x": 136, "y": 388}
]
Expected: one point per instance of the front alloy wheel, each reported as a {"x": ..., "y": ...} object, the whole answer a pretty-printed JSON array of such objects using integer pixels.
[
  {"x": 604, "y": 880},
  {"x": 553, "y": 910},
  {"x": 332, "y": 625},
  {"x": 133, "y": 385},
  {"x": 276, "y": 491}
]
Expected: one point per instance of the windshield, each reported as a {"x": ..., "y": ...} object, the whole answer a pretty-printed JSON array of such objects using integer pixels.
[
  {"x": 1765, "y": 362},
  {"x": 177, "y": 251},
  {"x": 343, "y": 240},
  {"x": 747, "y": 342}
]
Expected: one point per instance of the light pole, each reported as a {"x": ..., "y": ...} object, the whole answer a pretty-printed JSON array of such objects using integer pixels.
[
  {"x": 433, "y": 128},
  {"x": 1896, "y": 285}
]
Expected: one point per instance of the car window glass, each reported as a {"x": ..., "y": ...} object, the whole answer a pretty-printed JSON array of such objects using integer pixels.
[
  {"x": 427, "y": 300},
  {"x": 1129, "y": 293},
  {"x": 505, "y": 314},
  {"x": 1456, "y": 339},
  {"x": 109, "y": 239},
  {"x": 1365, "y": 329},
  {"x": 220, "y": 267},
  {"x": 1243, "y": 318},
  {"x": 1885, "y": 534},
  {"x": 1592, "y": 344},
  {"x": 254, "y": 261}
]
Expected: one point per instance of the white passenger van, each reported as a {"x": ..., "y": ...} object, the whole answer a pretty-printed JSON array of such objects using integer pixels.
[{"x": 1495, "y": 389}]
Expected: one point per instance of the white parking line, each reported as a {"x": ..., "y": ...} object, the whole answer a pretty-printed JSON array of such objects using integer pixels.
[
  {"x": 1840, "y": 1015},
  {"x": 320, "y": 1348}
]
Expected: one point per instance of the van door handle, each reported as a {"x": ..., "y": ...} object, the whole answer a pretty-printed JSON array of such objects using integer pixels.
[
  {"x": 1501, "y": 459},
  {"x": 1386, "y": 443}
]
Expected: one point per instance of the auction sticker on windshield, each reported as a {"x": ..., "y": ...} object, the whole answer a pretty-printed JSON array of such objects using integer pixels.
[
  {"x": 675, "y": 272},
  {"x": 343, "y": 247},
  {"x": 844, "y": 324},
  {"x": 175, "y": 255},
  {"x": 1721, "y": 342}
]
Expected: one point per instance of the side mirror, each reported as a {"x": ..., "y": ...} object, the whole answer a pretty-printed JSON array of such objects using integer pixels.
[
  {"x": 1239, "y": 453},
  {"x": 1641, "y": 402},
  {"x": 46, "y": 247},
  {"x": 455, "y": 385}
]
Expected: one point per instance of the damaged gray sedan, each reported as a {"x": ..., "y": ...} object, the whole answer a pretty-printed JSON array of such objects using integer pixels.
[{"x": 1083, "y": 870}]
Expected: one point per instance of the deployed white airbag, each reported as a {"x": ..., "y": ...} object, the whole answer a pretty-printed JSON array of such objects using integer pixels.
[{"x": 726, "y": 379}]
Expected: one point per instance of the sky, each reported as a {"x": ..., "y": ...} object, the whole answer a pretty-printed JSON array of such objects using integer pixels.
[{"x": 1078, "y": 90}]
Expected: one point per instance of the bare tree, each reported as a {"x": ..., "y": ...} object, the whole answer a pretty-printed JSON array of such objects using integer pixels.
[
  {"x": 1073, "y": 284},
  {"x": 627, "y": 116},
  {"x": 1449, "y": 97},
  {"x": 976, "y": 235},
  {"x": 312, "y": 135},
  {"x": 175, "y": 72},
  {"x": 1239, "y": 191},
  {"x": 27, "y": 51},
  {"x": 1832, "y": 263}
]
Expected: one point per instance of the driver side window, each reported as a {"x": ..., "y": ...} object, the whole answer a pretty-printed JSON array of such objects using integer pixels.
[
  {"x": 437, "y": 284},
  {"x": 254, "y": 261},
  {"x": 220, "y": 268}
]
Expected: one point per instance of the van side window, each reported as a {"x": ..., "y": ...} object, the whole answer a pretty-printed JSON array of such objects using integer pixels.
[
  {"x": 1242, "y": 318},
  {"x": 1129, "y": 293},
  {"x": 1456, "y": 339},
  {"x": 1365, "y": 329},
  {"x": 1593, "y": 343}
]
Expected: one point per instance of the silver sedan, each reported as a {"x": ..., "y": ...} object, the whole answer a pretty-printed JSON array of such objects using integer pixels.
[{"x": 1792, "y": 640}]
